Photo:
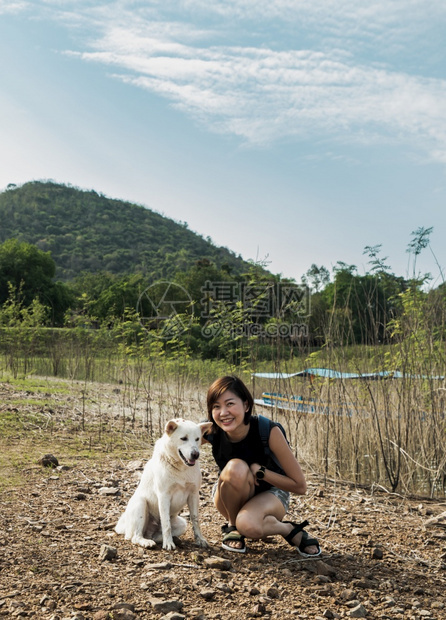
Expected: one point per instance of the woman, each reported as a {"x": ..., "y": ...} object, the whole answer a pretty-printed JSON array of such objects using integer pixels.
[{"x": 252, "y": 492}]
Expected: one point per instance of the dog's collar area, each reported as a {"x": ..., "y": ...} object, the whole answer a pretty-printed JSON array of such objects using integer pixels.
[{"x": 189, "y": 463}]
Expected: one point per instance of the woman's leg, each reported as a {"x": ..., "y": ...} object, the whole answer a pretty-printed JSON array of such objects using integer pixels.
[
  {"x": 254, "y": 516},
  {"x": 235, "y": 487},
  {"x": 262, "y": 516}
]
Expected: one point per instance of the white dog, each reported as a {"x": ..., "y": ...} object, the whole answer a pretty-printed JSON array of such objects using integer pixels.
[{"x": 171, "y": 478}]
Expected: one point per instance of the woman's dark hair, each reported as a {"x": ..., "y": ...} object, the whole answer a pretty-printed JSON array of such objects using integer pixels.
[{"x": 233, "y": 384}]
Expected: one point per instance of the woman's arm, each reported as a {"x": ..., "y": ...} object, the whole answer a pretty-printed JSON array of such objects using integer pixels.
[{"x": 294, "y": 479}]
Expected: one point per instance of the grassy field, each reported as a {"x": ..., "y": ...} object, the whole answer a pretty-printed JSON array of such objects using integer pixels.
[{"x": 389, "y": 433}]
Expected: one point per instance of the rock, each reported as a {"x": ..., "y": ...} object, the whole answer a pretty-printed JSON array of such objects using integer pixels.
[
  {"x": 101, "y": 615},
  {"x": 358, "y": 612},
  {"x": 273, "y": 593},
  {"x": 223, "y": 587},
  {"x": 324, "y": 590},
  {"x": 348, "y": 595},
  {"x": 122, "y": 614},
  {"x": 323, "y": 579},
  {"x": 437, "y": 605},
  {"x": 124, "y": 606},
  {"x": 419, "y": 592},
  {"x": 218, "y": 563},
  {"x": 107, "y": 553},
  {"x": 82, "y": 606},
  {"x": 196, "y": 613},
  {"x": 173, "y": 615},
  {"x": 286, "y": 572},
  {"x": 167, "y": 606},
  {"x": 364, "y": 583},
  {"x": 109, "y": 491},
  {"x": 208, "y": 594},
  {"x": 357, "y": 531},
  {"x": 377, "y": 553},
  {"x": 83, "y": 489},
  {"x": 135, "y": 465},
  {"x": 159, "y": 566},
  {"x": 322, "y": 568},
  {"x": 49, "y": 460},
  {"x": 63, "y": 468},
  {"x": 259, "y": 609}
]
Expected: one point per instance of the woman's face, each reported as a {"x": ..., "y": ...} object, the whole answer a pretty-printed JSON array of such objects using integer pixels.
[{"x": 228, "y": 412}]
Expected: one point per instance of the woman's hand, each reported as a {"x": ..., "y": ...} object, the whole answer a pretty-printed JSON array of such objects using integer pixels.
[{"x": 254, "y": 469}]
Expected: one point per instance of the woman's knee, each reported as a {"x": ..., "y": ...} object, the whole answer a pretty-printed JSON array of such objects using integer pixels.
[
  {"x": 249, "y": 525},
  {"x": 236, "y": 472}
]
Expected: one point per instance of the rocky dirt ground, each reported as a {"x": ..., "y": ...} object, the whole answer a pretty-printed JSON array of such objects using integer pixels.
[{"x": 60, "y": 559}]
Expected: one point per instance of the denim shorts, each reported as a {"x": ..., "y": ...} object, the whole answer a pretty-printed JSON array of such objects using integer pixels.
[{"x": 282, "y": 496}]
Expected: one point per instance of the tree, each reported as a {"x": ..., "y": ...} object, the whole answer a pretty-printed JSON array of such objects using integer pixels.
[
  {"x": 420, "y": 241},
  {"x": 105, "y": 296},
  {"x": 362, "y": 306},
  {"x": 26, "y": 268},
  {"x": 30, "y": 272},
  {"x": 316, "y": 277}
]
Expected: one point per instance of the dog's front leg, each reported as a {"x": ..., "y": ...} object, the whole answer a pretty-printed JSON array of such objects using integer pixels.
[
  {"x": 166, "y": 526},
  {"x": 192, "y": 502}
]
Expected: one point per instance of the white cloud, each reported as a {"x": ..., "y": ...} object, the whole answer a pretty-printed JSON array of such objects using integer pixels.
[
  {"x": 273, "y": 90},
  {"x": 262, "y": 95},
  {"x": 12, "y": 6}
]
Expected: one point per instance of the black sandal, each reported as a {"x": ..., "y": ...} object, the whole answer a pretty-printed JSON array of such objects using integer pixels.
[
  {"x": 231, "y": 534},
  {"x": 305, "y": 542}
]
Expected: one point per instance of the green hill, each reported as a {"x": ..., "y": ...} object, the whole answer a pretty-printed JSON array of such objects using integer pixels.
[{"x": 86, "y": 231}]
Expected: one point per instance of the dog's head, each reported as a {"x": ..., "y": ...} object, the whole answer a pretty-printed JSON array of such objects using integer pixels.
[{"x": 185, "y": 439}]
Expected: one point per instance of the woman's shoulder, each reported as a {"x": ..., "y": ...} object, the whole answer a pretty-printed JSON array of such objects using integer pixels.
[
  {"x": 265, "y": 425},
  {"x": 213, "y": 435}
]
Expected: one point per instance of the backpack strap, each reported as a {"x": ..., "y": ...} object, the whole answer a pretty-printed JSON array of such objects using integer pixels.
[{"x": 265, "y": 426}]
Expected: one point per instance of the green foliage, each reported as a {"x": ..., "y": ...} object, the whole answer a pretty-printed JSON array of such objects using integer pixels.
[
  {"x": 418, "y": 331},
  {"x": 85, "y": 231},
  {"x": 105, "y": 297},
  {"x": 112, "y": 254},
  {"x": 360, "y": 307},
  {"x": 26, "y": 276},
  {"x": 26, "y": 268}
]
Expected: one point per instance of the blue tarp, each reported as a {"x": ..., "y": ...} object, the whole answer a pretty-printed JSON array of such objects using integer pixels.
[{"x": 328, "y": 373}]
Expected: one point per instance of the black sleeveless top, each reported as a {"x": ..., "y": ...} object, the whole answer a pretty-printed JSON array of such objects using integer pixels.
[{"x": 250, "y": 449}]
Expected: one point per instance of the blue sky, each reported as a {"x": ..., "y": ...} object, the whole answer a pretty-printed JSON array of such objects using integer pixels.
[{"x": 294, "y": 131}]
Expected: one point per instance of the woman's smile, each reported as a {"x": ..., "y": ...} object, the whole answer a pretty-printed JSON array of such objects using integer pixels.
[{"x": 229, "y": 412}]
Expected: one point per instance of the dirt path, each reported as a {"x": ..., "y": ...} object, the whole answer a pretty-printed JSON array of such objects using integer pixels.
[
  {"x": 378, "y": 561},
  {"x": 57, "y": 549}
]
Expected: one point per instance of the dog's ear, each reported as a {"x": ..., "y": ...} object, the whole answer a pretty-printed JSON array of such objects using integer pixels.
[
  {"x": 206, "y": 427},
  {"x": 170, "y": 427}
]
